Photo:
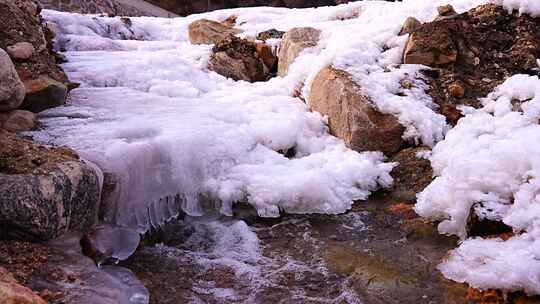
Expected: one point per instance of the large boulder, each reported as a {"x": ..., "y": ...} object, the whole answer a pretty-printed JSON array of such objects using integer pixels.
[
  {"x": 44, "y": 191},
  {"x": 17, "y": 121},
  {"x": 294, "y": 42},
  {"x": 11, "y": 292},
  {"x": 44, "y": 93},
  {"x": 206, "y": 31},
  {"x": 351, "y": 115},
  {"x": 238, "y": 59},
  {"x": 11, "y": 88}
]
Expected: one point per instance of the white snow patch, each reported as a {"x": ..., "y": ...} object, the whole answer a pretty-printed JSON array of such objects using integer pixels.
[{"x": 490, "y": 164}]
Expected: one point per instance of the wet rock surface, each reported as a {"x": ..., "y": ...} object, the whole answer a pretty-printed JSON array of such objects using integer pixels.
[
  {"x": 412, "y": 174},
  {"x": 351, "y": 116},
  {"x": 473, "y": 52},
  {"x": 44, "y": 191},
  {"x": 59, "y": 273}
]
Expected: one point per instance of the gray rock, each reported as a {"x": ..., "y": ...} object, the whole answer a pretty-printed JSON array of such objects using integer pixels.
[
  {"x": 42, "y": 207},
  {"x": 11, "y": 88}
]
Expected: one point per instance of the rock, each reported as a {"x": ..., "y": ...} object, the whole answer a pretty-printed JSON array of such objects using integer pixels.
[
  {"x": 107, "y": 244},
  {"x": 409, "y": 26},
  {"x": 21, "y": 50},
  {"x": 11, "y": 292},
  {"x": 472, "y": 53},
  {"x": 411, "y": 175},
  {"x": 446, "y": 10},
  {"x": 237, "y": 59},
  {"x": 270, "y": 34},
  {"x": 351, "y": 116},
  {"x": 44, "y": 93},
  {"x": 456, "y": 90},
  {"x": 17, "y": 121},
  {"x": 21, "y": 23},
  {"x": 294, "y": 42},
  {"x": 206, "y": 31},
  {"x": 438, "y": 50},
  {"x": 44, "y": 191},
  {"x": 11, "y": 88},
  {"x": 264, "y": 52}
]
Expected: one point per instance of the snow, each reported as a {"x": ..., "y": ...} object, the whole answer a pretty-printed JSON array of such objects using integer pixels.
[
  {"x": 489, "y": 164},
  {"x": 173, "y": 132},
  {"x": 530, "y": 7}
]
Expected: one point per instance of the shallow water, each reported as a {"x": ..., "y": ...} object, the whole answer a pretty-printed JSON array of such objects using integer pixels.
[{"x": 368, "y": 255}]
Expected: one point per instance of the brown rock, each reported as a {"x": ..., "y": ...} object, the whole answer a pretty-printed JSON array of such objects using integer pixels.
[
  {"x": 237, "y": 59},
  {"x": 43, "y": 93},
  {"x": 446, "y": 10},
  {"x": 411, "y": 175},
  {"x": 294, "y": 42},
  {"x": 17, "y": 121},
  {"x": 456, "y": 90},
  {"x": 206, "y": 31},
  {"x": 264, "y": 51},
  {"x": 11, "y": 292},
  {"x": 451, "y": 113},
  {"x": 410, "y": 25},
  {"x": 21, "y": 50},
  {"x": 436, "y": 50},
  {"x": 351, "y": 116}
]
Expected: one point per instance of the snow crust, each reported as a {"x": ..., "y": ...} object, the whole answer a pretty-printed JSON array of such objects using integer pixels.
[{"x": 489, "y": 164}]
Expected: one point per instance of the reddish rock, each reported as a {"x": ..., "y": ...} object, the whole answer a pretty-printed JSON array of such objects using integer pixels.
[
  {"x": 11, "y": 292},
  {"x": 409, "y": 26},
  {"x": 351, "y": 115},
  {"x": 43, "y": 93},
  {"x": 456, "y": 90},
  {"x": 17, "y": 121},
  {"x": 206, "y": 31},
  {"x": 264, "y": 51}
]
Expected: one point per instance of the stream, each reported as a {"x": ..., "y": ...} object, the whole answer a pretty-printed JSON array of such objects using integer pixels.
[{"x": 182, "y": 145}]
